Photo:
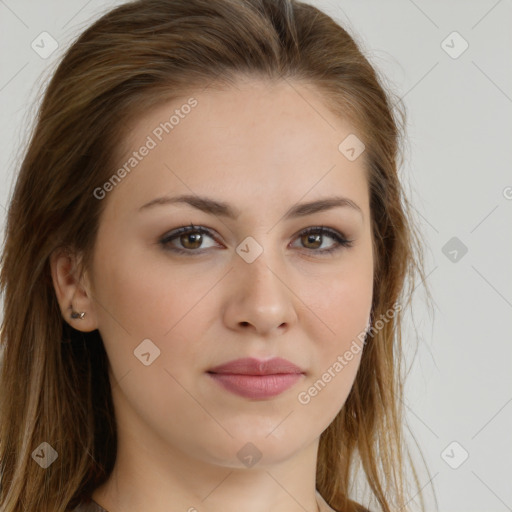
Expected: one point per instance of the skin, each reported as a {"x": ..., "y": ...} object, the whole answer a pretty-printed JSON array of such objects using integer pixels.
[{"x": 261, "y": 147}]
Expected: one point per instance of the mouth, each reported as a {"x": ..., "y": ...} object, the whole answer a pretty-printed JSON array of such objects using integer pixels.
[{"x": 257, "y": 379}]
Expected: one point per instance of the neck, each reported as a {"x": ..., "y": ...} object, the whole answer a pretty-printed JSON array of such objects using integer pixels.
[{"x": 150, "y": 476}]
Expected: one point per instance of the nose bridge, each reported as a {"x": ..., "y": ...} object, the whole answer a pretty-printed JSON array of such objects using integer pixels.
[
  {"x": 262, "y": 297},
  {"x": 261, "y": 267}
]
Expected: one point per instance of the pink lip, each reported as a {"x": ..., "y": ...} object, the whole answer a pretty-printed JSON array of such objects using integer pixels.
[{"x": 253, "y": 378}]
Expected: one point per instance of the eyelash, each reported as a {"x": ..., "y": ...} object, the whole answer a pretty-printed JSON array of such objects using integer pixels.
[{"x": 342, "y": 242}]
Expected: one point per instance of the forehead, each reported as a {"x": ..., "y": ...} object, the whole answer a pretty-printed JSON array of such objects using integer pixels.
[{"x": 257, "y": 139}]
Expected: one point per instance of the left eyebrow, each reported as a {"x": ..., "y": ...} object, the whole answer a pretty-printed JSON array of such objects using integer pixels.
[{"x": 213, "y": 207}]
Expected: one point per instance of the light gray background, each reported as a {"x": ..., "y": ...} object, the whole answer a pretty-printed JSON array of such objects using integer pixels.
[{"x": 458, "y": 167}]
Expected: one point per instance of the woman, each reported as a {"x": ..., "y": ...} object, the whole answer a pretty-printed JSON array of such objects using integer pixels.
[{"x": 204, "y": 270}]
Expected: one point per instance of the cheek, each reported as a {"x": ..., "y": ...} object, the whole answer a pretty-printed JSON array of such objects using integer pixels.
[
  {"x": 140, "y": 300},
  {"x": 345, "y": 310},
  {"x": 143, "y": 295},
  {"x": 347, "y": 306},
  {"x": 341, "y": 302}
]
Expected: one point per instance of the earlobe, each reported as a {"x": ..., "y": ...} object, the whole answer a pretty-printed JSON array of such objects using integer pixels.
[{"x": 75, "y": 299}]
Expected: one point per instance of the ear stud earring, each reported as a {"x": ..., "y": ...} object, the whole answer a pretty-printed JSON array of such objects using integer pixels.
[{"x": 77, "y": 315}]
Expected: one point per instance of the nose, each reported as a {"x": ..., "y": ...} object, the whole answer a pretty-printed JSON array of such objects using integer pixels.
[{"x": 260, "y": 300}]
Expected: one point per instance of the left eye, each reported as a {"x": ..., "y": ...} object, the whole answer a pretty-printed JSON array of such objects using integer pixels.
[
  {"x": 191, "y": 238},
  {"x": 316, "y": 235}
]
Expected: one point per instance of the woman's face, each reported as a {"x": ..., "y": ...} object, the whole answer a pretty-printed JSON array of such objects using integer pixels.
[{"x": 252, "y": 284}]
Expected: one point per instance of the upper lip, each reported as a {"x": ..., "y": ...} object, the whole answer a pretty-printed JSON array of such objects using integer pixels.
[{"x": 252, "y": 366}]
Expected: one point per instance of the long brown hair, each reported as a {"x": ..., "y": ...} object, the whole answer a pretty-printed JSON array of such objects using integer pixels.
[{"x": 54, "y": 380}]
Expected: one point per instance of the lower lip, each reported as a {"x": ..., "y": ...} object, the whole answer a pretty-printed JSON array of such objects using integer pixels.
[{"x": 256, "y": 386}]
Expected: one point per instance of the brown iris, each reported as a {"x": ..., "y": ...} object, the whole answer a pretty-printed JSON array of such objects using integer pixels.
[
  {"x": 312, "y": 238},
  {"x": 196, "y": 239}
]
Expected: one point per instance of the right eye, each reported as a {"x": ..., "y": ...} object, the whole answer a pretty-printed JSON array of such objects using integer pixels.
[{"x": 190, "y": 237}]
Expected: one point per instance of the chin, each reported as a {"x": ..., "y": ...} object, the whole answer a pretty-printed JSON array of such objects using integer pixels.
[{"x": 255, "y": 450}]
